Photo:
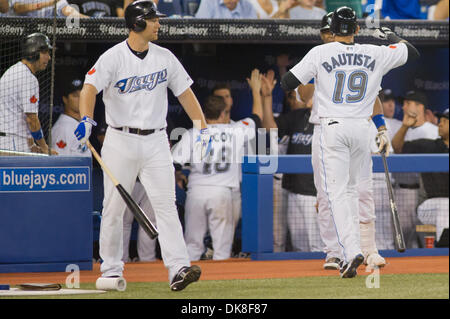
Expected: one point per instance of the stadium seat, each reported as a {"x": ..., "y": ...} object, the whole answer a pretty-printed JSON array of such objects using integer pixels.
[
  {"x": 170, "y": 7},
  {"x": 190, "y": 7}
]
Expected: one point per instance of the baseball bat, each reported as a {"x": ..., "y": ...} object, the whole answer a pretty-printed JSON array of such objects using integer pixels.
[
  {"x": 137, "y": 211},
  {"x": 398, "y": 234}
]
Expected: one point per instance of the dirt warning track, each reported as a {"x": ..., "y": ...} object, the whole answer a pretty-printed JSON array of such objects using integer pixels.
[{"x": 237, "y": 269}]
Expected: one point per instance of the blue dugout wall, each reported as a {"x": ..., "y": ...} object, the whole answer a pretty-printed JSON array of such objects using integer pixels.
[
  {"x": 257, "y": 190},
  {"x": 45, "y": 213}
]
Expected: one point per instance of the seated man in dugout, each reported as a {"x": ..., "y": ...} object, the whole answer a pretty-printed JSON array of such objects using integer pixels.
[{"x": 434, "y": 210}]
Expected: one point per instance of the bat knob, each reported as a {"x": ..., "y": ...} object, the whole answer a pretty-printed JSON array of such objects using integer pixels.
[{"x": 153, "y": 236}]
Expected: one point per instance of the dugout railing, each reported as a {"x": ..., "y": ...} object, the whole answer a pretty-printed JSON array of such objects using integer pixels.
[
  {"x": 277, "y": 31},
  {"x": 257, "y": 199}
]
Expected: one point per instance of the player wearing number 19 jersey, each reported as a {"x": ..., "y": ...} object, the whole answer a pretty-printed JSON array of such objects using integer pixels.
[{"x": 347, "y": 79}]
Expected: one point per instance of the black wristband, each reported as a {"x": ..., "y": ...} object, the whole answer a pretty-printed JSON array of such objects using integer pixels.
[{"x": 177, "y": 166}]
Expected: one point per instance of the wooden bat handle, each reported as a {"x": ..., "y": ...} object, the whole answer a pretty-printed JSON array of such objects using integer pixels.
[{"x": 102, "y": 164}]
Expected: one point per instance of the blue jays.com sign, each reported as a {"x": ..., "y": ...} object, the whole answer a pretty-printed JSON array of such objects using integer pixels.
[{"x": 44, "y": 179}]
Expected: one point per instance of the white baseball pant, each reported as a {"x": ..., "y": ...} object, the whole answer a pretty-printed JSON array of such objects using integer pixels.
[
  {"x": 279, "y": 216},
  {"x": 129, "y": 156},
  {"x": 236, "y": 205},
  {"x": 366, "y": 218},
  {"x": 434, "y": 211},
  {"x": 384, "y": 232},
  {"x": 146, "y": 247},
  {"x": 302, "y": 222},
  {"x": 209, "y": 207},
  {"x": 15, "y": 143},
  {"x": 343, "y": 146},
  {"x": 407, "y": 201}
]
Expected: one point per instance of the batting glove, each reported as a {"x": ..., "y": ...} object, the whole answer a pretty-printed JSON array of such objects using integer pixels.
[
  {"x": 84, "y": 129},
  {"x": 382, "y": 33},
  {"x": 383, "y": 142},
  {"x": 203, "y": 143}
]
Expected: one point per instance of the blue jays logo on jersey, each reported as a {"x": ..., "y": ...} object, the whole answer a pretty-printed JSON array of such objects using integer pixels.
[
  {"x": 300, "y": 138},
  {"x": 136, "y": 83}
]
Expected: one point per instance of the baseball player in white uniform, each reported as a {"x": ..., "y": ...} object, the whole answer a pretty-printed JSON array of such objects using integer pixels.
[
  {"x": 209, "y": 201},
  {"x": 20, "y": 127},
  {"x": 134, "y": 76},
  {"x": 365, "y": 187},
  {"x": 63, "y": 139},
  {"x": 224, "y": 90},
  {"x": 344, "y": 110}
]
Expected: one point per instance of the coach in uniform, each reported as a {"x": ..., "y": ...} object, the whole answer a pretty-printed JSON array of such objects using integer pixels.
[
  {"x": 344, "y": 110},
  {"x": 19, "y": 98},
  {"x": 134, "y": 76}
]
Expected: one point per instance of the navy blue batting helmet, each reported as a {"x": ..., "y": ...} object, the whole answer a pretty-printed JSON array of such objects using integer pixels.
[
  {"x": 344, "y": 21},
  {"x": 138, "y": 11},
  {"x": 33, "y": 44},
  {"x": 326, "y": 22}
]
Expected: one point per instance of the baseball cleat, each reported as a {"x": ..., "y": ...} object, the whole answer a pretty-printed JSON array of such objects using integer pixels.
[
  {"x": 332, "y": 264},
  {"x": 208, "y": 254},
  {"x": 375, "y": 260},
  {"x": 349, "y": 270},
  {"x": 184, "y": 277}
]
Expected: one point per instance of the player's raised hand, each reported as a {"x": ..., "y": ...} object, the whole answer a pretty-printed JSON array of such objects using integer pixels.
[
  {"x": 382, "y": 33},
  {"x": 383, "y": 142},
  {"x": 255, "y": 81},
  {"x": 84, "y": 129},
  {"x": 268, "y": 83},
  {"x": 203, "y": 143}
]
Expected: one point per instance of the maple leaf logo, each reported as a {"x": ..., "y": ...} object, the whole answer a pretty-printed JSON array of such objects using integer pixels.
[
  {"x": 61, "y": 144},
  {"x": 33, "y": 99}
]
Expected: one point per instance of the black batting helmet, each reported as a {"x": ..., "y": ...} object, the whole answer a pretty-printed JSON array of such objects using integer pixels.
[
  {"x": 326, "y": 22},
  {"x": 343, "y": 22},
  {"x": 138, "y": 11},
  {"x": 33, "y": 44}
]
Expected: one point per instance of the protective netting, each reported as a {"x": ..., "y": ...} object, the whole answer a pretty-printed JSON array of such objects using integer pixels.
[
  {"x": 424, "y": 202},
  {"x": 26, "y": 87}
]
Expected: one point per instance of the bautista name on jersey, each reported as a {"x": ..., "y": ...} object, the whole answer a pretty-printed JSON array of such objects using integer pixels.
[
  {"x": 347, "y": 77},
  {"x": 350, "y": 59}
]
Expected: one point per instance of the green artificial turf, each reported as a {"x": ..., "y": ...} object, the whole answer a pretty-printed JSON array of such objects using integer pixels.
[{"x": 404, "y": 286}]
